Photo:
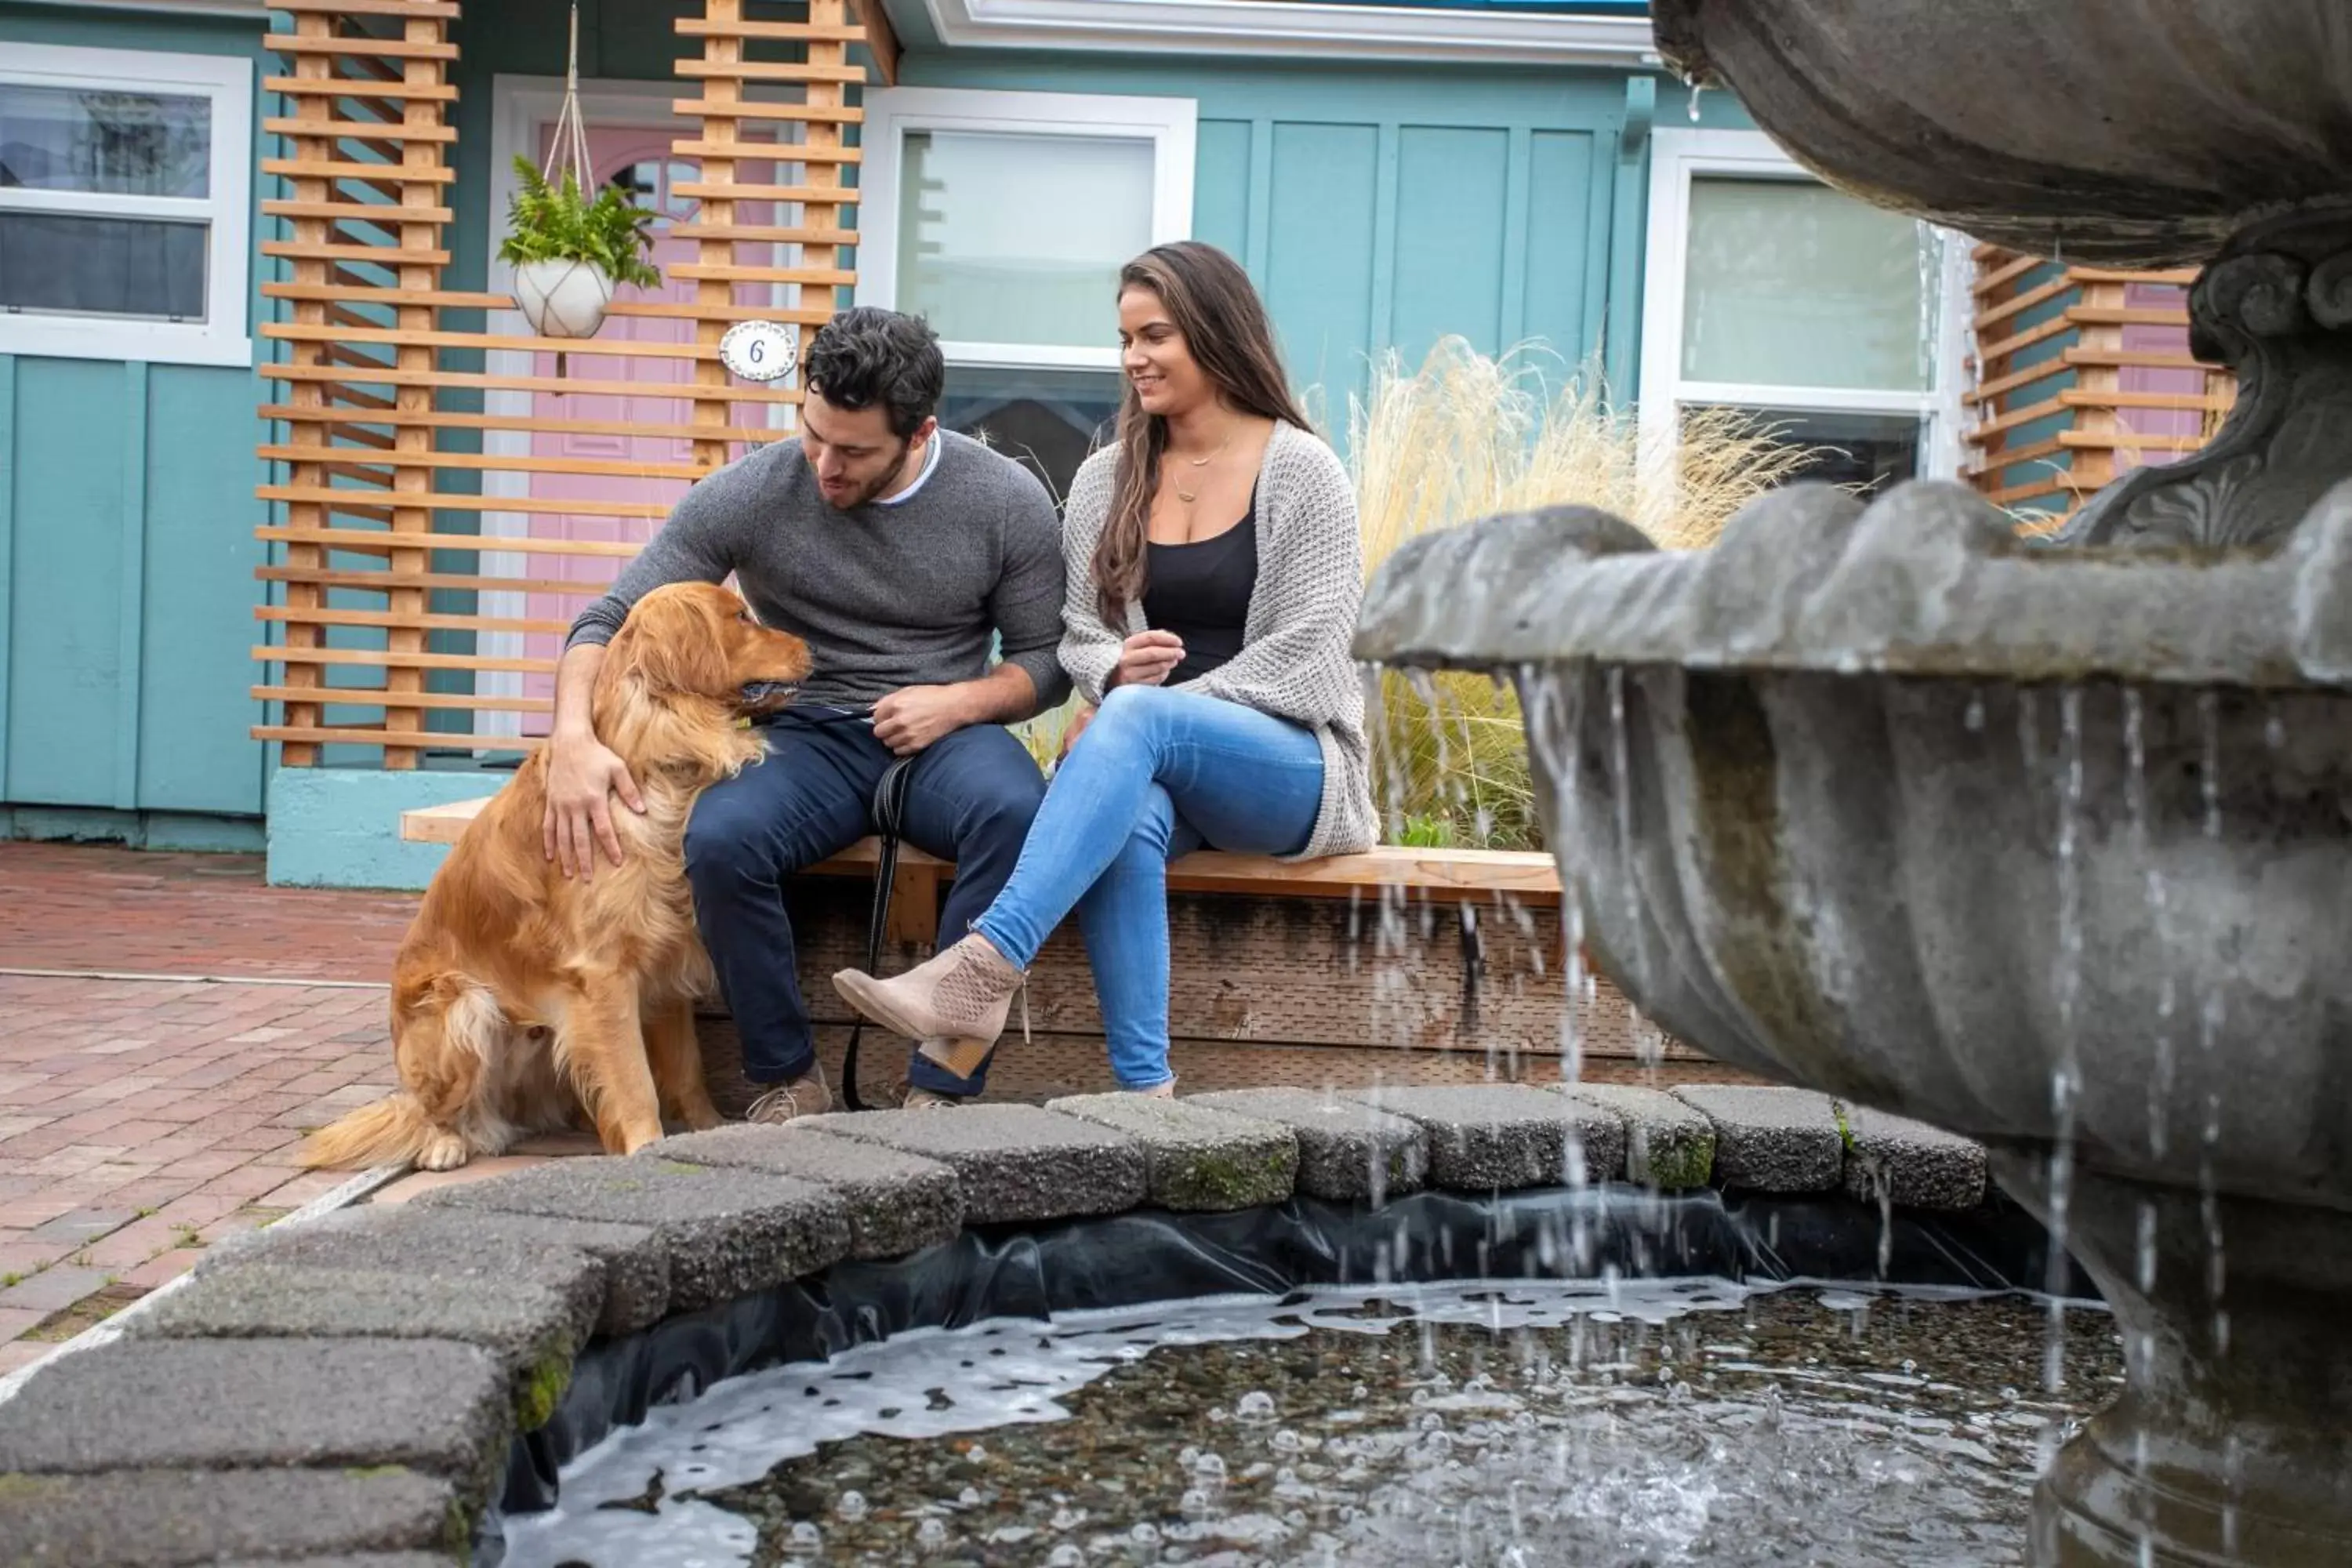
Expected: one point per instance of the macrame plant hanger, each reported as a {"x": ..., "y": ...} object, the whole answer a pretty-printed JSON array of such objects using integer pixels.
[
  {"x": 567, "y": 150},
  {"x": 569, "y": 146}
]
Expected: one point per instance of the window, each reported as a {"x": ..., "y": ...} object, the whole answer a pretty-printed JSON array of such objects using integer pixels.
[
  {"x": 1003, "y": 218},
  {"x": 124, "y": 179},
  {"x": 1829, "y": 319}
]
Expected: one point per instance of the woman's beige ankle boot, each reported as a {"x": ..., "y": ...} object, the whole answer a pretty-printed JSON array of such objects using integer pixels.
[{"x": 955, "y": 1002}]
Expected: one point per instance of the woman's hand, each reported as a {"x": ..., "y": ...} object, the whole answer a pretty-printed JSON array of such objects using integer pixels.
[
  {"x": 1080, "y": 720},
  {"x": 1147, "y": 658}
]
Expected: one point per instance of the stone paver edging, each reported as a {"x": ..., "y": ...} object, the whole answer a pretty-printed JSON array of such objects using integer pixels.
[{"x": 348, "y": 1389}]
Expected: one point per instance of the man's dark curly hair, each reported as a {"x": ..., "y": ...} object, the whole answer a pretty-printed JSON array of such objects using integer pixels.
[{"x": 867, "y": 357}]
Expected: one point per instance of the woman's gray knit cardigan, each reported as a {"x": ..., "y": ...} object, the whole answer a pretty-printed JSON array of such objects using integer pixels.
[{"x": 1294, "y": 661}]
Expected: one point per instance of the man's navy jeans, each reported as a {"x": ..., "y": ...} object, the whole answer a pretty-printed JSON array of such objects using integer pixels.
[{"x": 970, "y": 799}]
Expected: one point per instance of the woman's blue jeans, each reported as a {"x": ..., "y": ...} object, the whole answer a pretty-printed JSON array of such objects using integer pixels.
[{"x": 1158, "y": 773}]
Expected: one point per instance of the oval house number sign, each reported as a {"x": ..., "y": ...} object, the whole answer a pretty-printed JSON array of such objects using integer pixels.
[{"x": 760, "y": 350}]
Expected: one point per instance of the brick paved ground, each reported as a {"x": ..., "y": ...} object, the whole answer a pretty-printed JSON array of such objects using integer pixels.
[
  {"x": 142, "y": 1118},
  {"x": 138, "y": 1119},
  {"x": 83, "y": 907}
]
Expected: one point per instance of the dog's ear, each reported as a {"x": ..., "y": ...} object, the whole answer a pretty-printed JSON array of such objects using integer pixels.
[{"x": 675, "y": 644}]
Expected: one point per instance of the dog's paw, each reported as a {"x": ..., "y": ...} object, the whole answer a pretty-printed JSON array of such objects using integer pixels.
[
  {"x": 702, "y": 1118},
  {"x": 443, "y": 1152}
]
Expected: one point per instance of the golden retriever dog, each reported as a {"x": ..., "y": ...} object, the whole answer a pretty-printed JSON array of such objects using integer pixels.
[{"x": 522, "y": 996}]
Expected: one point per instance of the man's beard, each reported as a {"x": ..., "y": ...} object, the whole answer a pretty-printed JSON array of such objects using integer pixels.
[{"x": 890, "y": 476}]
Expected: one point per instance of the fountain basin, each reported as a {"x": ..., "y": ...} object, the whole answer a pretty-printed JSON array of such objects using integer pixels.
[
  {"x": 2052, "y": 848},
  {"x": 373, "y": 1381},
  {"x": 1721, "y": 1418},
  {"x": 2129, "y": 133},
  {"x": 2036, "y": 846}
]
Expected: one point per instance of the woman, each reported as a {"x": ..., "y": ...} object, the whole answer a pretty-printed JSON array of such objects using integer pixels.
[{"x": 1214, "y": 576}]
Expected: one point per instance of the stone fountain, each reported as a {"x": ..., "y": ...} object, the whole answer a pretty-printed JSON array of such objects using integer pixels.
[{"x": 2049, "y": 846}]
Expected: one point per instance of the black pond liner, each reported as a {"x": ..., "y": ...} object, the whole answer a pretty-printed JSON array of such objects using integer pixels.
[{"x": 1151, "y": 1255}]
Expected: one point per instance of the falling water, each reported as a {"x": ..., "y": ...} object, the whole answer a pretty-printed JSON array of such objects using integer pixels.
[
  {"x": 1552, "y": 704},
  {"x": 1621, "y": 789},
  {"x": 2209, "y": 1035},
  {"x": 2159, "y": 1083},
  {"x": 2208, "y": 731},
  {"x": 1389, "y": 929},
  {"x": 2066, "y": 1080},
  {"x": 1649, "y": 1041}
]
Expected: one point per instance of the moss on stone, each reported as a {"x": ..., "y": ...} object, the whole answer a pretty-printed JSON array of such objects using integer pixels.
[
  {"x": 540, "y": 1389},
  {"x": 1679, "y": 1164},
  {"x": 1215, "y": 1181},
  {"x": 457, "y": 1530}
]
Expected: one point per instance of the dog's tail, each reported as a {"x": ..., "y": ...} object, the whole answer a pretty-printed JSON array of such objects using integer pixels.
[{"x": 393, "y": 1129}]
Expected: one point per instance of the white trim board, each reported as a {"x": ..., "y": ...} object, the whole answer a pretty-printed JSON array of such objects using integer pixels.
[
  {"x": 1170, "y": 124},
  {"x": 1675, "y": 157},
  {"x": 240, "y": 8},
  {"x": 225, "y": 336},
  {"x": 1296, "y": 27}
]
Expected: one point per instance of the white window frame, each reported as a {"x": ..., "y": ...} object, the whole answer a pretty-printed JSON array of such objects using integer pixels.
[
  {"x": 1169, "y": 124},
  {"x": 223, "y": 338},
  {"x": 1677, "y": 157}
]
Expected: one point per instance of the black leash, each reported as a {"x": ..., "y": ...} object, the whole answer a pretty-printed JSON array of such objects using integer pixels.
[{"x": 889, "y": 816}]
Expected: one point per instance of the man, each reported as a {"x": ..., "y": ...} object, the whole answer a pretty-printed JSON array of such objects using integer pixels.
[{"x": 895, "y": 550}]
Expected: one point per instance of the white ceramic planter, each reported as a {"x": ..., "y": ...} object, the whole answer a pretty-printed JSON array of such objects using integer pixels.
[{"x": 563, "y": 298}]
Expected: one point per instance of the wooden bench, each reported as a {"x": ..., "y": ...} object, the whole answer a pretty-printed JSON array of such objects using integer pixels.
[
  {"x": 1447, "y": 875},
  {"x": 1465, "y": 956}
]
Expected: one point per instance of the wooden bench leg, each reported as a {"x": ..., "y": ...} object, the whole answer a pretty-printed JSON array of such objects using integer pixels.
[{"x": 914, "y": 906}]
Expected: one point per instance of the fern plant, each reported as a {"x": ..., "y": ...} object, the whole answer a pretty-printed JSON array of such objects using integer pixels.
[{"x": 551, "y": 222}]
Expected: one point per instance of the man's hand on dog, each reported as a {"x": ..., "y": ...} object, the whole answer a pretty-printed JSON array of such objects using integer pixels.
[
  {"x": 583, "y": 774},
  {"x": 915, "y": 717}
]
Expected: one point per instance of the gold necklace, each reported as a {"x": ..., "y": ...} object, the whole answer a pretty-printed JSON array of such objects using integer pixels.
[{"x": 1189, "y": 497}]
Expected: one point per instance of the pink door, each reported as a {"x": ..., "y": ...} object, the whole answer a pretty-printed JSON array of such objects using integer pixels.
[{"x": 617, "y": 463}]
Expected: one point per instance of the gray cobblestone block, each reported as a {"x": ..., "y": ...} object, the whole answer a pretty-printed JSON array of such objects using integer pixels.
[
  {"x": 459, "y": 1244},
  {"x": 532, "y": 1329},
  {"x": 1915, "y": 1166},
  {"x": 899, "y": 1203},
  {"x": 1197, "y": 1158},
  {"x": 1018, "y": 1163},
  {"x": 383, "y": 1518},
  {"x": 427, "y": 1405},
  {"x": 1770, "y": 1140},
  {"x": 728, "y": 1232},
  {"x": 1484, "y": 1137},
  {"x": 1347, "y": 1151},
  {"x": 1668, "y": 1145}
]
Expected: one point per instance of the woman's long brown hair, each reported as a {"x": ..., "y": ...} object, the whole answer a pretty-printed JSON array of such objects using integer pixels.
[{"x": 1209, "y": 300}]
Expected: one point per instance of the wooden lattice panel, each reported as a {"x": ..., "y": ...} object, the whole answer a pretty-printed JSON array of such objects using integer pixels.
[
  {"x": 364, "y": 190},
  {"x": 370, "y": 488},
  {"x": 2082, "y": 374}
]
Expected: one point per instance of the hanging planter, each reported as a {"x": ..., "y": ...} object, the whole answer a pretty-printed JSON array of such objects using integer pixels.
[
  {"x": 568, "y": 251},
  {"x": 563, "y": 298}
]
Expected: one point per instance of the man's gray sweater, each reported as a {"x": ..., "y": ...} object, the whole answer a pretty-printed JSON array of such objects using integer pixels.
[{"x": 885, "y": 597}]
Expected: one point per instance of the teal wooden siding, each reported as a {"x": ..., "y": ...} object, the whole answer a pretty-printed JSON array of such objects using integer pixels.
[
  {"x": 127, "y": 550},
  {"x": 1383, "y": 207}
]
